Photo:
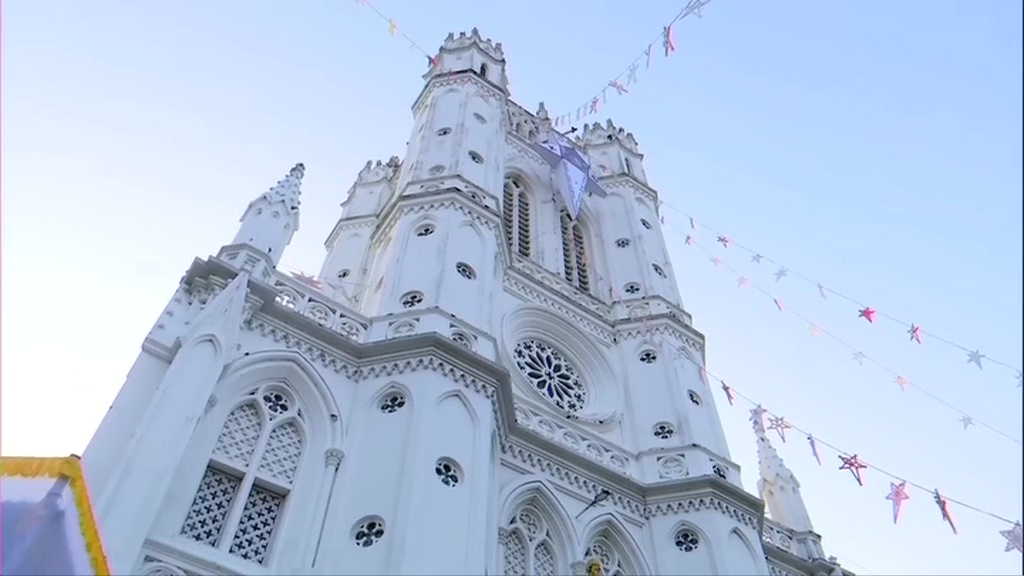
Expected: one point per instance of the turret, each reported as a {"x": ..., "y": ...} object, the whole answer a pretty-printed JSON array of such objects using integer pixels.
[
  {"x": 613, "y": 151},
  {"x": 780, "y": 491},
  {"x": 270, "y": 220}
]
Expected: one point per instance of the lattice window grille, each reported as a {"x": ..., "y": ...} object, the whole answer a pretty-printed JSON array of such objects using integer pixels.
[
  {"x": 515, "y": 207},
  {"x": 574, "y": 253},
  {"x": 257, "y": 453},
  {"x": 527, "y": 547}
]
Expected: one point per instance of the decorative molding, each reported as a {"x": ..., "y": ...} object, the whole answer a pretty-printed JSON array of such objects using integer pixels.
[
  {"x": 531, "y": 294},
  {"x": 576, "y": 441},
  {"x": 560, "y": 285},
  {"x": 700, "y": 504},
  {"x": 672, "y": 467}
]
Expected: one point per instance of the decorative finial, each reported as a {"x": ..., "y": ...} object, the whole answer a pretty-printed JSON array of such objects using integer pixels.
[
  {"x": 298, "y": 171},
  {"x": 542, "y": 111}
]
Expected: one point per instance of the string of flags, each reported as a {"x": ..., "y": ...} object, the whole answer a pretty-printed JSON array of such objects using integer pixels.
[
  {"x": 850, "y": 461},
  {"x": 916, "y": 334},
  {"x": 965, "y": 419},
  {"x": 619, "y": 85}
]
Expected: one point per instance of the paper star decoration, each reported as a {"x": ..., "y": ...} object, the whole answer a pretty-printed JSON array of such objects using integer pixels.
[
  {"x": 814, "y": 448},
  {"x": 780, "y": 274},
  {"x": 943, "y": 505},
  {"x": 693, "y": 223},
  {"x": 667, "y": 41},
  {"x": 1013, "y": 538},
  {"x": 814, "y": 330},
  {"x": 821, "y": 290},
  {"x": 392, "y": 27},
  {"x": 431, "y": 61},
  {"x": 757, "y": 415},
  {"x": 723, "y": 240},
  {"x": 780, "y": 425},
  {"x": 915, "y": 332},
  {"x": 742, "y": 281},
  {"x": 901, "y": 382},
  {"x": 756, "y": 258},
  {"x": 854, "y": 465},
  {"x": 868, "y": 314},
  {"x": 689, "y": 240},
  {"x": 858, "y": 357},
  {"x": 975, "y": 357},
  {"x": 966, "y": 421},
  {"x": 729, "y": 394},
  {"x": 897, "y": 493},
  {"x": 716, "y": 261},
  {"x": 307, "y": 280},
  {"x": 619, "y": 88}
]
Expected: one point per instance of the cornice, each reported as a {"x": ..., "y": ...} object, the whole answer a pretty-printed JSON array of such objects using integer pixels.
[{"x": 631, "y": 183}]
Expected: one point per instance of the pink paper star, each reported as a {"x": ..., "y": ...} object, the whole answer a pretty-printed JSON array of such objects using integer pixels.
[
  {"x": 729, "y": 394},
  {"x": 310, "y": 281},
  {"x": 779, "y": 424},
  {"x": 743, "y": 281},
  {"x": 689, "y": 240},
  {"x": 901, "y": 382},
  {"x": 943, "y": 505},
  {"x": 723, "y": 240},
  {"x": 868, "y": 314},
  {"x": 897, "y": 493},
  {"x": 814, "y": 330},
  {"x": 854, "y": 465},
  {"x": 915, "y": 332},
  {"x": 1013, "y": 538}
]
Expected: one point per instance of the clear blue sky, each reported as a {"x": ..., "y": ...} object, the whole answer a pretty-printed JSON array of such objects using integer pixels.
[{"x": 874, "y": 146}]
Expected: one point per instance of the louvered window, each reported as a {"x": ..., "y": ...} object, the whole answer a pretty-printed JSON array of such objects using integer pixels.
[
  {"x": 574, "y": 253},
  {"x": 516, "y": 212}
]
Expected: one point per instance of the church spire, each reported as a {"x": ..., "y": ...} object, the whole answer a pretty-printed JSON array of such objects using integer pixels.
[
  {"x": 271, "y": 220},
  {"x": 779, "y": 487}
]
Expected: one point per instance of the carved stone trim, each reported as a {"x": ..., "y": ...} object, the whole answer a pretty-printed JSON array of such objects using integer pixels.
[
  {"x": 529, "y": 293},
  {"x": 699, "y": 504},
  {"x": 578, "y": 442}
]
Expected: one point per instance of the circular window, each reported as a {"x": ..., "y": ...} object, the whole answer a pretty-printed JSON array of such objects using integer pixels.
[
  {"x": 479, "y": 118},
  {"x": 412, "y": 299},
  {"x": 694, "y": 397},
  {"x": 462, "y": 339},
  {"x": 622, "y": 242},
  {"x": 632, "y": 288},
  {"x": 437, "y": 169},
  {"x": 687, "y": 540},
  {"x": 425, "y": 230},
  {"x": 276, "y": 402},
  {"x": 648, "y": 357},
  {"x": 659, "y": 271},
  {"x": 475, "y": 157},
  {"x": 645, "y": 223},
  {"x": 664, "y": 430},
  {"x": 448, "y": 472},
  {"x": 465, "y": 270},
  {"x": 393, "y": 403},
  {"x": 368, "y": 532},
  {"x": 444, "y": 131},
  {"x": 717, "y": 470},
  {"x": 550, "y": 374},
  {"x": 344, "y": 274}
]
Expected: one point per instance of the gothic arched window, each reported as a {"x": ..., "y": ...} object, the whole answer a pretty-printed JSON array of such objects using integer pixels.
[
  {"x": 250, "y": 474},
  {"x": 574, "y": 253},
  {"x": 527, "y": 547},
  {"x": 515, "y": 207},
  {"x": 607, "y": 555}
]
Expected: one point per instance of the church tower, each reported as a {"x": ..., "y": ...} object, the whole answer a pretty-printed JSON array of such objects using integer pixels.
[{"x": 486, "y": 377}]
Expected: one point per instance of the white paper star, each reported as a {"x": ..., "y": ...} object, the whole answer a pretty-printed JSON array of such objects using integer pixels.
[
  {"x": 966, "y": 421},
  {"x": 757, "y": 415},
  {"x": 975, "y": 357},
  {"x": 1013, "y": 538},
  {"x": 780, "y": 274},
  {"x": 858, "y": 357},
  {"x": 756, "y": 258}
]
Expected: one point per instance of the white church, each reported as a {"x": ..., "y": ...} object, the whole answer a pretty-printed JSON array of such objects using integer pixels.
[{"x": 486, "y": 378}]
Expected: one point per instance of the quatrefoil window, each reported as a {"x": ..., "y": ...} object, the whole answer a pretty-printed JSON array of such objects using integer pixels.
[
  {"x": 276, "y": 402},
  {"x": 664, "y": 430},
  {"x": 448, "y": 472},
  {"x": 648, "y": 356},
  {"x": 622, "y": 242},
  {"x": 393, "y": 403},
  {"x": 687, "y": 540},
  {"x": 369, "y": 532},
  {"x": 659, "y": 270},
  {"x": 425, "y": 230},
  {"x": 550, "y": 374},
  {"x": 465, "y": 270},
  {"x": 412, "y": 299},
  {"x": 632, "y": 288},
  {"x": 645, "y": 223}
]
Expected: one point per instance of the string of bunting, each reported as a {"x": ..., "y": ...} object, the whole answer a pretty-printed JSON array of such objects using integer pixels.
[
  {"x": 857, "y": 466},
  {"x": 620, "y": 84},
  {"x": 915, "y": 332},
  {"x": 966, "y": 420}
]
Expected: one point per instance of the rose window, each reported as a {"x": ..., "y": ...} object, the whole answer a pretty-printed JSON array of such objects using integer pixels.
[
  {"x": 369, "y": 533},
  {"x": 550, "y": 374},
  {"x": 687, "y": 540}
]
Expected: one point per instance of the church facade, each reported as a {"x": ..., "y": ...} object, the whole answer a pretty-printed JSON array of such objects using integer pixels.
[{"x": 481, "y": 380}]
